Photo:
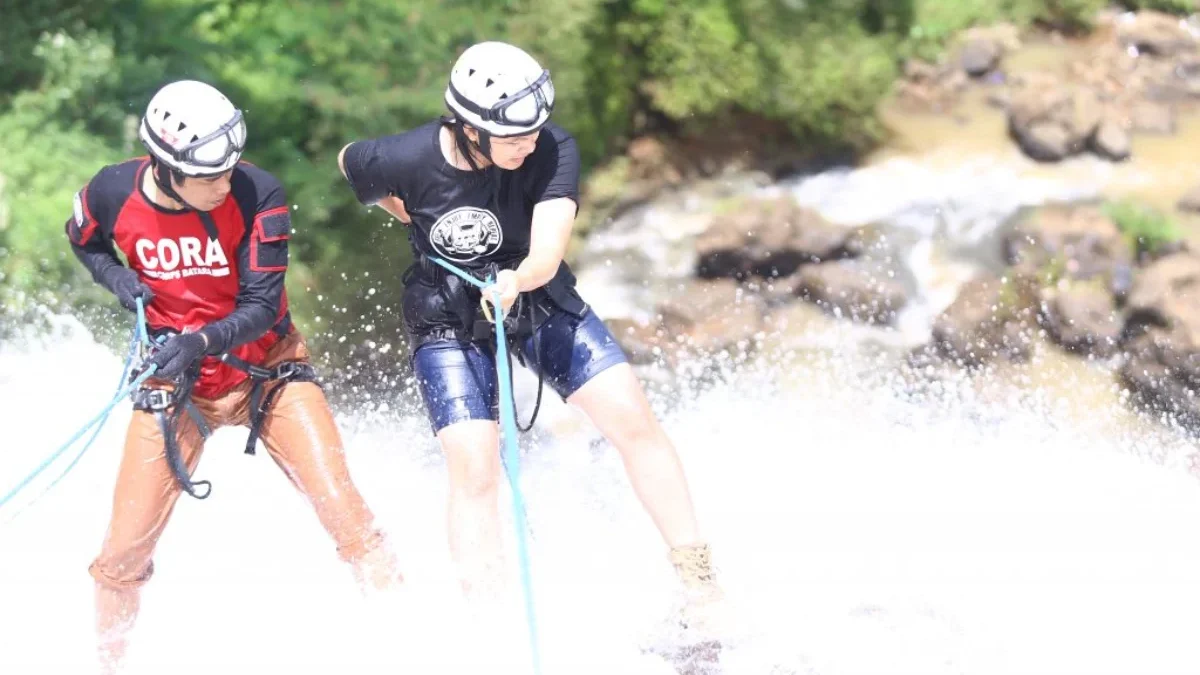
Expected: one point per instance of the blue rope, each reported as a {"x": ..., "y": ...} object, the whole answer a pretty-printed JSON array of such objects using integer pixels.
[
  {"x": 510, "y": 457},
  {"x": 139, "y": 337}
]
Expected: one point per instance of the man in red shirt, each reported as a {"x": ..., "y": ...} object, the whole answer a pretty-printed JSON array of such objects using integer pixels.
[{"x": 206, "y": 240}]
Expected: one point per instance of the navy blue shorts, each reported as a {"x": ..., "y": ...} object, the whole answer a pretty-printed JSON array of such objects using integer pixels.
[{"x": 458, "y": 379}]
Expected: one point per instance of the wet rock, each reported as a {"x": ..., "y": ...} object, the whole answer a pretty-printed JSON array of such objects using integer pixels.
[
  {"x": 1167, "y": 293},
  {"x": 776, "y": 290},
  {"x": 1112, "y": 141},
  {"x": 1122, "y": 78},
  {"x": 815, "y": 239},
  {"x": 1156, "y": 373},
  {"x": 709, "y": 316},
  {"x": 1155, "y": 388},
  {"x": 992, "y": 318},
  {"x": 1156, "y": 34},
  {"x": 1071, "y": 242},
  {"x": 703, "y": 317},
  {"x": 1051, "y": 120},
  {"x": 1082, "y": 318},
  {"x": 982, "y": 48},
  {"x": 767, "y": 238},
  {"x": 931, "y": 87},
  {"x": 862, "y": 290},
  {"x": 868, "y": 240},
  {"x": 1163, "y": 358},
  {"x": 979, "y": 56},
  {"x": 1047, "y": 142}
]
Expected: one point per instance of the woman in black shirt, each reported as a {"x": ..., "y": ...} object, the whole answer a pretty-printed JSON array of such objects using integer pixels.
[{"x": 493, "y": 189}]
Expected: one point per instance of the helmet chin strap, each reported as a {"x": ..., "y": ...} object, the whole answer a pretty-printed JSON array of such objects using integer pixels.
[
  {"x": 162, "y": 179},
  {"x": 485, "y": 145}
]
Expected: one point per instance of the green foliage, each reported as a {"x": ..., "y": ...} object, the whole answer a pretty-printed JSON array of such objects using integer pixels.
[
  {"x": 628, "y": 67},
  {"x": 313, "y": 76},
  {"x": 936, "y": 21},
  {"x": 46, "y": 160},
  {"x": 1146, "y": 229}
]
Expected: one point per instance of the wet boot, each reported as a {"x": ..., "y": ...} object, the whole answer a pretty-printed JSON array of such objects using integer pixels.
[{"x": 704, "y": 600}]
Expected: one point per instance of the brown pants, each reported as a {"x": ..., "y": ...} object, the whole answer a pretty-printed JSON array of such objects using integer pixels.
[{"x": 298, "y": 432}]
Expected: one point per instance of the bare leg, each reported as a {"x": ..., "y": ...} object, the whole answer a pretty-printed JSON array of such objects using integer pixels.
[
  {"x": 472, "y": 455},
  {"x": 616, "y": 404}
]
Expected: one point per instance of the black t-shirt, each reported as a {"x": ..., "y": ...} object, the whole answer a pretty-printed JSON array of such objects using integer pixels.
[{"x": 469, "y": 218}]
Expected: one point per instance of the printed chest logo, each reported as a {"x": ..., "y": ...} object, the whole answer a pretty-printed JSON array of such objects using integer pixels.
[
  {"x": 187, "y": 257},
  {"x": 466, "y": 233}
]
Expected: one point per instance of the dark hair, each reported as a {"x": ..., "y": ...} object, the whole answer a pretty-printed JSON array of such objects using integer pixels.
[{"x": 466, "y": 147}]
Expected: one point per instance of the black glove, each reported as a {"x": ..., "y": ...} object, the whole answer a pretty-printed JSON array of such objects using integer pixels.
[
  {"x": 178, "y": 353},
  {"x": 125, "y": 284}
]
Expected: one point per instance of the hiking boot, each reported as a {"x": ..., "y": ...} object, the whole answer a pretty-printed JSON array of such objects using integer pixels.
[{"x": 704, "y": 599}]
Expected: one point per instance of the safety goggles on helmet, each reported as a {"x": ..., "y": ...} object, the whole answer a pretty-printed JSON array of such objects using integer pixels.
[
  {"x": 523, "y": 109},
  {"x": 212, "y": 150}
]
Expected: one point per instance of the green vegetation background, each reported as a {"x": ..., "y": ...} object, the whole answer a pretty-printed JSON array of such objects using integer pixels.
[{"x": 312, "y": 76}]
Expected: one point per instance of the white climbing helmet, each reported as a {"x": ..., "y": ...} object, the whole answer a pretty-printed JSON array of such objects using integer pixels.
[
  {"x": 499, "y": 89},
  {"x": 194, "y": 129}
]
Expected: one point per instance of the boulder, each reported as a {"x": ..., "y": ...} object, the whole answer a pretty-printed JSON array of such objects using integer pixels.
[
  {"x": 1162, "y": 367},
  {"x": 709, "y": 316},
  {"x": 861, "y": 290},
  {"x": 1112, "y": 141},
  {"x": 766, "y": 238},
  {"x": 1156, "y": 34},
  {"x": 1051, "y": 120},
  {"x": 1077, "y": 243},
  {"x": 991, "y": 318},
  {"x": 1082, "y": 318}
]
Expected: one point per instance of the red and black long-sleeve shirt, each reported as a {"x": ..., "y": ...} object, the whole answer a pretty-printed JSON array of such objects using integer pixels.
[{"x": 222, "y": 268}]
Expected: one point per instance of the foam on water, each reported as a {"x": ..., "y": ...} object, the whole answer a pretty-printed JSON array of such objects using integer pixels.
[
  {"x": 860, "y": 529},
  {"x": 862, "y": 526}
]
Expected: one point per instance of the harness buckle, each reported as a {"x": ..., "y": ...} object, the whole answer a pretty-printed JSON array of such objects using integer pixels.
[
  {"x": 286, "y": 370},
  {"x": 156, "y": 399}
]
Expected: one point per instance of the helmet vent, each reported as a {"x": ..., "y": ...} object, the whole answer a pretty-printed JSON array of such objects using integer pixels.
[{"x": 490, "y": 82}]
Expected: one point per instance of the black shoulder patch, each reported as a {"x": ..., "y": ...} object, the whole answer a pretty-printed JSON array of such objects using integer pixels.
[
  {"x": 269, "y": 240},
  {"x": 274, "y": 225}
]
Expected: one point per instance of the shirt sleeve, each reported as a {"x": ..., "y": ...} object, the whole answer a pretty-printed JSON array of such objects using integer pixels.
[
  {"x": 262, "y": 259},
  {"x": 557, "y": 172},
  {"x": 373, "y": 169},
  {"x": 91, "y": 237}
]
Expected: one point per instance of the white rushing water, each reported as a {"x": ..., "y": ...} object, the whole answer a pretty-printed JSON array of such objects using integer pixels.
[{"x": 860, "y": 529}]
